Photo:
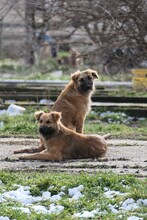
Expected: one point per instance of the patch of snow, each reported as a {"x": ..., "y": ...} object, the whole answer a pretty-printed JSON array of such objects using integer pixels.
[
  {"x": 112, "y": 208},
  {"x": 141, "y": 119},
  {"x": 40, "y": 209},
  {"x": 22, "y": 209},
  {"x": 15, "y": 110},
  {"x": 63, "y": 188},
  {"x": 51, "y": 187},
  {"x": 75, "y": 192},
  {"x": 86, "y": 214},
  {"x": 129, "y": 205},
  {"x": 1, "y": 124},
  {"x": 55, "y": 209},
  {"x": 2, "y": 198},
  {"x": 1, "y": 183},
  {"x": 77, "y": 196},
  {"x": 112, "y": 193},
  {"x": 2, "y": 112},
  {"x": 45, "y": 101},
  {"x": 142, "y": 201},
  {"x": 120, "y": 216},
  {"x": 22, "y": 195},
  {"x": 106, "y": 189},
  {"x": 55, "y": 198},
  {"x": 61, "y": 193},
  {"x": 4, "y": 218},
  {"x": 134, "y": 218},
  {"x": 46, "y": 195}
]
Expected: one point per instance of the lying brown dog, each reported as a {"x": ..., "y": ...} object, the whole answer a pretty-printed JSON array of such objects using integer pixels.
[
  {"x": 73, "y": 102},
  {"x": 62, "y": 143}
]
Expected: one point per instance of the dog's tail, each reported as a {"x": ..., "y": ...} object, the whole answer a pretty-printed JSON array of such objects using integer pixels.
[{"x": 106, "y": 136}]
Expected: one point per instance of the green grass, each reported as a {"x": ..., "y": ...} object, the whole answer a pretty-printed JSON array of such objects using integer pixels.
[
  {"x": 17, "y": 70},
  {"x": 117, "y": 130},
  {"x": 44, "y": 70},
  {"x": 19, "y": 125},
  {"x": 25, "y": 125},
  {"x": 93, "y": 191}
]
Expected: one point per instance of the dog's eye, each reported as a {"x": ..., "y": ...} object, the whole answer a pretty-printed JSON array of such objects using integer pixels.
[
  {"x": 88, "y": 77},
  {"x": 40, "y": 121},
  {"x": 48, "y": 121},
  {"x": 81, "y": 80}
]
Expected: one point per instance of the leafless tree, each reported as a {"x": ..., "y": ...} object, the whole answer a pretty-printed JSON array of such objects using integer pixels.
[
  {"x": 115, "y": 30},
  {"x": 5, "y": 8},
  {"x": 39, "y": 16}
]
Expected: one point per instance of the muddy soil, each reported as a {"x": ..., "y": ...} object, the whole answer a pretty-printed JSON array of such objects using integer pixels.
[{"x": 123, "y": 157}]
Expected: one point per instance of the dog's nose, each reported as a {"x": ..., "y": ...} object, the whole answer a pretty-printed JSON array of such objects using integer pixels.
[
  {"x": 88, "y": 86},
  {"x": 42, "y": 128}
]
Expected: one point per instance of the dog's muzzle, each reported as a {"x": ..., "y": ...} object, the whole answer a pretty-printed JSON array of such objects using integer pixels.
[
  {"x": 46, "y": 131},
  {"x": 85, "y": 87}
]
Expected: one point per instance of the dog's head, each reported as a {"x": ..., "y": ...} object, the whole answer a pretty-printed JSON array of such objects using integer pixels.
[
  {"x": 48, "y": 122},
  {"x": 84, "y": 80}
]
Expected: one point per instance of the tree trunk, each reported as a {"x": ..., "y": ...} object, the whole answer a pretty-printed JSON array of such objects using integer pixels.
[
  {"x": 30, "y": 31},
  {"x": 1, "y": 32}
]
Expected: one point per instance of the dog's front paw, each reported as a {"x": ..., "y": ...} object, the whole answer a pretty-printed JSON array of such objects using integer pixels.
[
  {"x": 24, "y": 157},
  {"x": 16, "y": 152},
  {"x": 20, "y": 151}
]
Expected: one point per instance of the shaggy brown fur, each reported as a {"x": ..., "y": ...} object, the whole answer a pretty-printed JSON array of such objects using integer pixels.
[
  {"x": 73, "y": 102},
  {"x": 62, "y": 143}
]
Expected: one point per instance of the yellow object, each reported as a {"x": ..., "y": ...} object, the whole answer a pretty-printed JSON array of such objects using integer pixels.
[{"x": 139, "y": 79}]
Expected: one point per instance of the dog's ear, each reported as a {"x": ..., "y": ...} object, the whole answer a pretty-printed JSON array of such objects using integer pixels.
[
  {"x": 38, "y": 114},
  {"x": 75, "y": 75},
  {"x": 56, "y": 116},
  {"x": 94, "y": 73}
]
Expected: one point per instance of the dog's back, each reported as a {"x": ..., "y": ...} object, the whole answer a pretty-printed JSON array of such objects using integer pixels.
[
  {"x": 76, "y": 146},
  {"x": 85, "y": 147}
]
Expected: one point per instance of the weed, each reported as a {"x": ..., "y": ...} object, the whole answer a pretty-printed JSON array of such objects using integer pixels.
[
  {"x": 94, "y": 188},
  {"x": 25, "y": 125}
]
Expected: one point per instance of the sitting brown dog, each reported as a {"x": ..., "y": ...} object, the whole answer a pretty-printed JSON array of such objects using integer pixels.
[
  {"x": 73, "y": 102},
  {"x": 62, "y": 143}
]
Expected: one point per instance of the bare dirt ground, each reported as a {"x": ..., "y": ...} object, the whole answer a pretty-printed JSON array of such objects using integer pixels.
[{"x": 123, "y": 157}]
